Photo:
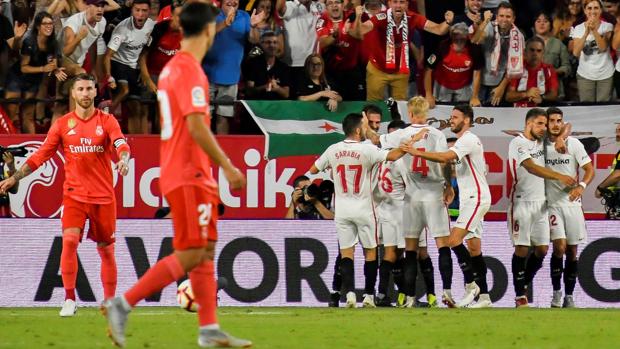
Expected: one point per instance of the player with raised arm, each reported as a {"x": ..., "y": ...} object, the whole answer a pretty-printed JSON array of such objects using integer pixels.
[
  {"x": 528, "y": 217},
  {"x": 187, "y": 148},
  {"x": 351, "y": 163},
  {"x": 87, "y": 137},
  {"x": 566, "y": 220},
  {"x": 474, "y": 199},
  {"x": 429, "y": 192}
]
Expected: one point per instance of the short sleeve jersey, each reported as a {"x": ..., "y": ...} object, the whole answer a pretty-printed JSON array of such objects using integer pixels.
[
  {"x": 568, "y": 164},
  {"x": 526, "y": 186},
  {"x": 351, "y": 163},
  {"x": 344, "y": 53},
  {"x": 183, "y": 90},
  {"x": 593, "y": 65},
  {"x": 544, "y": 77},
  {"x": 425, "y": 179},
  {"x": 391, "y": 180},
  {"x": 163, "y": 45},
  {"x": 455, "y": 70},
  {"x": 128, "y": 41},
  {"x": 94, "y": 33},
  {"x": 471, "y": 170}
]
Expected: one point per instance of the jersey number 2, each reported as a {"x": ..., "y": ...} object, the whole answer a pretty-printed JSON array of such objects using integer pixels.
[
  {"x": 205, "y": 214},
  {"x": 166, "y": 115},
  {"x": 357, "y": 175},
  {"x": 419, "y": 164}
]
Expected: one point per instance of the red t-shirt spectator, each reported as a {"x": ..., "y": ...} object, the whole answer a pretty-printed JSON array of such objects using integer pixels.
[
  {"x": 163, "y": 45},
  {"x": 455, "y": 70},
  {"x": 342, "y": 54},
  {"x": 543, "y": 76},
  {"x": 377, "y": 39}
]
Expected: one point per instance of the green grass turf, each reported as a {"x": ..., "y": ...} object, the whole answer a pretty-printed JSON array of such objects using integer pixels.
[{"x": 324, "y": 328}]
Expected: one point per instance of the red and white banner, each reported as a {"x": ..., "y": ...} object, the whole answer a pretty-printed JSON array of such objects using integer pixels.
[{"x": 269, "y": 189}]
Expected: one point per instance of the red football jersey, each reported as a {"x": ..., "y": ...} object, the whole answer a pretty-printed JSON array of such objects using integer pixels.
[
  {"x": 167, "y": 46},
  {"x": 344, "y": 53},
  {"x": 183, "y": 89},
  {"x": 544, "y": 77},
  {"x": 87, "y": 146},
  {"x": 378, "y": 38}
]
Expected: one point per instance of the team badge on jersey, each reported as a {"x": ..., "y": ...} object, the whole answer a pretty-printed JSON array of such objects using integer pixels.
[
  {"x": 99, "y": 130},
  {"x": 71, "y": 123},
  {"x": 198, "y": 97}
]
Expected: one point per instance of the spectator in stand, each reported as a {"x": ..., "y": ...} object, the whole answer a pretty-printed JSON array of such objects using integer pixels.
[
  {"x": 222, "y": 64},
  {"x": 456, "y": 69},
  {"x": 566, "y": 13},
  {"x": 591, "y": 41},
  {"x": 10, "y": 40},
  {"x": 612, "y": 7},
  {"x": 389, "y": 55},
  {"x": 63, "y": 9},
  {"x": 472, "y": 16},
  {"x": 121, "y": 64},
  {"x": 270, "y": 23},
  {"x": 340, "y": 51},
  {"x": 556, "y": 53},
  {"x": 300, "y": 18},
  {"x": 80, "y": 31},
  {"x": 313, "y": 86},
  {"x": 266, "y": 76},
  {"x": 502, "y": 42},
  {"x": 615, "y": 45},
  {"x": 605, "y": 16},
  {"x": 164, "y": 43},
  {"x": 539, "y": 82},
  {"x": 40, "y": 54}
]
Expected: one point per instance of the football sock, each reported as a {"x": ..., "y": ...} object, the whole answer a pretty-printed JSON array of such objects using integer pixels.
[
  {"x": 480, "y": 268},
  {"x": 384, "y": 275},
  {"x": 167, "y": 270},
  {"x": 337, "y": 281},
  {"x": 518, "y": 275},
  {"x": 346, "y": 270},
  {"x": 570, "y": 276},
  {"x": 533, "y": 265},
  {"x": 370, "y": 272},
  {"x": 411, "y": 272},
  {"x": 204, "y": 287},
  {"x": 397, "y": 273},
  {"x": 445, "y": 267},
  {"x": 428, "y": 273},
  {"x": 462, "y": 255},
  {"x": 69, "y": 263},
  {"x": 556, "y": 272},
  {"x": 108, "y": 270}
]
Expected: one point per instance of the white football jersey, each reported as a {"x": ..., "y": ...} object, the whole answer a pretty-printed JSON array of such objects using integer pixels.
[
  {"x": 471, "y": 170},
  {"x": 526, "y": 186},
  {"x": 351, "y": 163},
  {"x": 568, "y": 164},
  {"x": 425, "y": 179},
  {"x": 391, "y": 180}
]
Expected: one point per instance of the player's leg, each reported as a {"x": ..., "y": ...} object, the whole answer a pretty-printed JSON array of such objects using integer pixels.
[
  {"x": 474, "y": 245},
  {"x": 540, "y": 239},
  {"x": 102, "y": 218},
  {"x": 347, "y": 238},
  {"x": 445, "y": 269},
  {"x": 336, "y": 283},
  {"x": 570, "y": 275},
  {"x": 370, "y": 275},
  {"x": 398, "y": 275},
  {"x": 519, "y": 227},
  {"x": 410, "y": 269},
  {"x": 556, "y": 270},
  {"x": 385, "y": 270},
  {"x": 465, "y": 263},
  {"x": 576, "y": 235},
  {"x": 73, "y": 220},
  {"x": 439, "y": 228},
  {"x": 428, "y": 274}
]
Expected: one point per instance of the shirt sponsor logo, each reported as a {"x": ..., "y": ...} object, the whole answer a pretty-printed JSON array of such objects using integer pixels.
[
  {"x": 198, "y": 97},
  {"x": 167, "y": 52},
  {"x": 555, "y": 162},
  {"x": 86, "y": 146},
  {"x": 537, "y": 154},
  {"x": 71, "y": 132}
]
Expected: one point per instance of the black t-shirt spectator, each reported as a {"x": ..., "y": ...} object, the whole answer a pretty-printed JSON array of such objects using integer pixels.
[
  {"x": 6, "y": 32},
  {"x": 462, "y": 18},
  {"x": 258, "y": 72},
  {"x": 38, "y": 58},
  {"x": 306, "y": 87}
]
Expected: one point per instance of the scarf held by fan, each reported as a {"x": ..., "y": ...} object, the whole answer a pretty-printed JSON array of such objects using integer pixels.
[
  {"x": 516, "y": 45},
  {"x": 390, "y": 49}
]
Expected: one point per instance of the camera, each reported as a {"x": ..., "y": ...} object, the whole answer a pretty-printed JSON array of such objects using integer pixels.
[
  {"x": 15, "y": 151},
  {"x": 611, "y": 201},
  {"x": 312, "y": 191}
]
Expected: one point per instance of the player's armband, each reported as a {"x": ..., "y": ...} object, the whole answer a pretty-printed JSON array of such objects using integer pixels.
[{"x": 121, "y": 145}]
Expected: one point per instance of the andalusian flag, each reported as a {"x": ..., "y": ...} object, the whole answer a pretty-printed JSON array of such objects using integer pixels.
[{"x": 302, "y": 128}]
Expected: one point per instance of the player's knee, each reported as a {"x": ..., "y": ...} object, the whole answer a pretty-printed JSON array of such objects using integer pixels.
[
  {"x": 559, "y": 250},
  {"x": 390, "y": 254},
  {"x": 541, "y": 251},
  {"x": 571, "y": 253},
  {"x": 422, "y": 253}
]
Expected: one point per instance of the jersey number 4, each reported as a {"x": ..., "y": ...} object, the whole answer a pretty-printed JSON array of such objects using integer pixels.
[
  {"x": 357, "y": 176},
  {"x": 419, "y": 164}
]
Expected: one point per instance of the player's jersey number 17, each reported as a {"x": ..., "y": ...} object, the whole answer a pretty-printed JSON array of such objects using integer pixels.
[{"x": 345, "y": 172}]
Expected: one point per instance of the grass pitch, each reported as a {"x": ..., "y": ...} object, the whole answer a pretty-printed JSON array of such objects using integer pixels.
[{"x": 316, "y": 328}]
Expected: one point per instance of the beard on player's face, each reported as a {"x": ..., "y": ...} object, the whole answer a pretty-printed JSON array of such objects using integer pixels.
[
  {"x": 85, "y": 102},
  {"x": 457, "y": 127}
]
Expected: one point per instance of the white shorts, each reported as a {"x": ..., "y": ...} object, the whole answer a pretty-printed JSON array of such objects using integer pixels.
[
  {"x": 391, "y": 224},
  {"x": 471, "y": 216},
  {"x": 568, "y": 223},
  {"x": 528, "y": 223},
  {"x": 430, "y": 215},
  {"x": 352, "y": 230}
]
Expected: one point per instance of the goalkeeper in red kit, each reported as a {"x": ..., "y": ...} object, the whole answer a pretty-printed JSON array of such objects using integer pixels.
[
  {"x": 88, "y": 138},
  {"x": 186, "y": 151}
]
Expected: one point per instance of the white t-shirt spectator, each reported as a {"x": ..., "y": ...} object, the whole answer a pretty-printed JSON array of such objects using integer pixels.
[
  {"x": 300, "y": 25},
  {"x": 94, "y": 34},
  {"x": 128, "y": 41},
  {"x": 593, "y": 65}
]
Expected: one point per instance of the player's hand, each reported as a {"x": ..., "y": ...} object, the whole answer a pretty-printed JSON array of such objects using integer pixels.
[
  {"x": 7, "y": 184},
  {"x": 235, "y": 178},
  {"x": 474, "y": 101},
  {"x": 418, "y": 136},
  {"x": 567, "y": 180},
  {"x": 448, "y": 195},
  {"x": 7, "y": 158},
  {"x": 332, "y": 105},
  {"x": 122, "y": 166},
  {"x": 560, "y": 145},
  {"x": 497, "y": 95},
  {"x": 575, "y": 193}
]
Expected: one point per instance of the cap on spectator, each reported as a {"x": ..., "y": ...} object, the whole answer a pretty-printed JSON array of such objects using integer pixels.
[{"x": 96, "y": 2}]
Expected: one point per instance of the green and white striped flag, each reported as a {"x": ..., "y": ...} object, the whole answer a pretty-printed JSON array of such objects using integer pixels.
[{"x": 302, "y": 128}]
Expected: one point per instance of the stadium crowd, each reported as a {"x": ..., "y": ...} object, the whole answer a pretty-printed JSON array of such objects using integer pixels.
[{"x": 521, "y": 53}]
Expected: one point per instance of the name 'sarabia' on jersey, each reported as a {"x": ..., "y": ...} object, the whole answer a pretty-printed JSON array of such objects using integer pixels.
[
  {"x": 471, "y": 170},
  {"x": 568, "y": 164},
  {"x": 351, "y": 163},
  {"x": 526, "y": 186},
  {"x": 425, "y": 179}
]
